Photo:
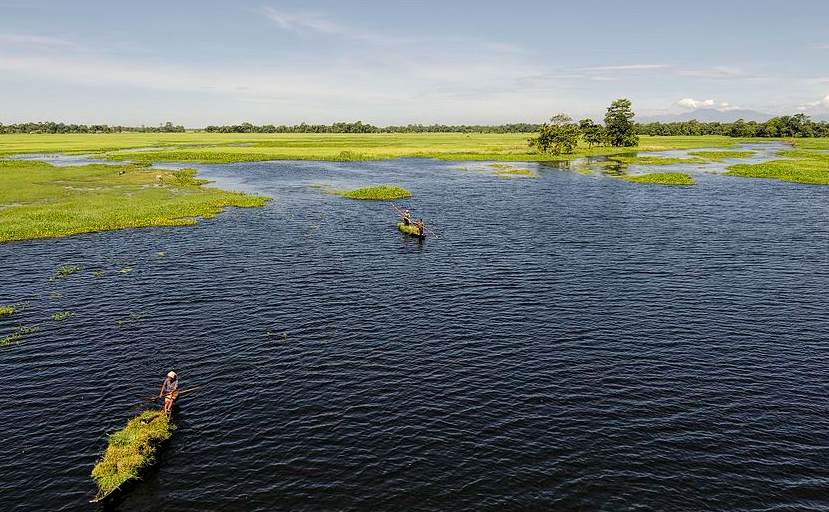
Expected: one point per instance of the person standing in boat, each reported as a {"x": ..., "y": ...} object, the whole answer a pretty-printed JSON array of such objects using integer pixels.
[
  {"x": 169, "y": 390},
  {"x": 407, "y": 217},
  {"x": 421, "y": 227}
]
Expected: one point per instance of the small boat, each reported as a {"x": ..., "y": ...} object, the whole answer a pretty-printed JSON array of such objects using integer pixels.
[
  {"x": 411, "y": 230},
  {"x": 130, "y": 452}
]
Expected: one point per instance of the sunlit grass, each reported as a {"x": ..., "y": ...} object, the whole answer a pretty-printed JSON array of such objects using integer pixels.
[
  {"x": 721, "y": 155},
  {"x": 131, "y": 450},
  {"x": 654, "y": 160},
  {"x": 507, "y": 171},
  {"x": 240, "y": 147},
  {"x": 377, "y": 193},
  {"x": 810, "y": 172},
  {"x": 661, "y": 178},
  {"x": 38, "y": 200}
]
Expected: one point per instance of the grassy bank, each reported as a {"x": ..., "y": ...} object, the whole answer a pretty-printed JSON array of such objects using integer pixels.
[
  {"x": 38, "y": 200},
  {"x": 808, "y": 163},
  {"x": 131, "y": 450},
  {"x": 222, "y": 148},
  {"x": 376, "y": 193},
  {"x": 661, "y": 178}
]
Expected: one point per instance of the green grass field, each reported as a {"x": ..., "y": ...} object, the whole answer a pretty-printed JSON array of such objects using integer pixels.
[
  {"x": 38, "y": 200},
  {"x": 222, "y": 148},
  {"x": 808, "y": 163}
]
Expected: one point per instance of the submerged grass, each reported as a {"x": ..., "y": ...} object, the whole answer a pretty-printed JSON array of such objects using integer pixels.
[
  {"x": 507, "y": 171},
  {"x": 661, "y": 178},
  {"x": 62, "y": 315},
  {"x": 131, "y": 450},
  {"x": 377, "y": 193},
  {"x": 7, "y": 310},
  {"x": 17, "y": 335},
  {"x": 721, "y": 155},
  {"x": 65, "y": 271},
  {"x": 38, "y": 200}
]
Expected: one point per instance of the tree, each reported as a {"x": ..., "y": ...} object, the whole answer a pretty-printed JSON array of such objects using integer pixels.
[
  {"x": 560, "y": 135},
  {"x": 592, "y": 133},
  {"x": 618, "y": 122}
]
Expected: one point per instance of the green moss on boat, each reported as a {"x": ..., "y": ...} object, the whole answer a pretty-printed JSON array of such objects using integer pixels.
[
  {"x": 131, "y": 450},
  {"x": 410, "y": 229}
]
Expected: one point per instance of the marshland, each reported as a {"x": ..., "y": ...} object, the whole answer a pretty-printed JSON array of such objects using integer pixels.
[{"x": 413, "y": 256}]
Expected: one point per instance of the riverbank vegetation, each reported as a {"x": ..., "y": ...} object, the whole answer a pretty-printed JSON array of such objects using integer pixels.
[
  {"x": 38, "y": 200},
  {"x": 721, "y": 155},
  {"x": 203, "y": 147},
  {"x": 376, "y": 193},
  {"x": 661, "y": 178},
  {"x": 131, "y": 450},
  {"x": 796, "y": 126}
]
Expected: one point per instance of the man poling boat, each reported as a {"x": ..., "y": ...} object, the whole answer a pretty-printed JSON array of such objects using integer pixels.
[
  {"x": 407, "y": 226},
  {"x": 169, "y": 390}
]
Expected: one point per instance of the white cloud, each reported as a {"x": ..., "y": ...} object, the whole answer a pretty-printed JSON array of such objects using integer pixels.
[
  {"x": 824, "y": 46},
  {"x": 312, "y": 22},
  {"x": 825, "y": 101},
  {"x": 693, "y": 104},
  {"x": 32, "y": 40}
]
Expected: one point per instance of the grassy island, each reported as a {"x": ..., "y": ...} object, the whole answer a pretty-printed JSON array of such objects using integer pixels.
[
  {"x": 661, "y": 178},
  {"x": 721, "y": 155},
  {"x": 38, "y": 200},
  {"x": 376, "y": 193},
  {"x": 131, "y": 450}
]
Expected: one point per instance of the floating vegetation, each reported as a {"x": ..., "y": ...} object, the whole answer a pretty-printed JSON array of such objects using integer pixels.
[
  {"x": 807, "y": 171},
  {"x": 160, "y": 254},
  {"x": 187, "y": 177},
  {"x": 131, "y": 318},
  {"x": 131, "y": 450},
  {"x": 661, "y": 178},
  {"x": 65, "y": 271},
  {"x": 17, "y": 335},
  {"x": 125, "y": 270},
  {"x": 507, "y": 171},
  {"x": 62, "y": 315},
  {"x": 721, "y": 155},
  {"x": 98, "y": 273},
  {"x": 376, "y": 193},
  {"x": 7, "y": 310},
  {"x": 55, "y": 295}
]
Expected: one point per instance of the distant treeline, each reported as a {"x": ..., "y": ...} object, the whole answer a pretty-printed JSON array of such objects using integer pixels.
[
  {"x": 50, "y": 127},
  {"x": 360, "y": 127},
  {"x": 784, "y": 126}
]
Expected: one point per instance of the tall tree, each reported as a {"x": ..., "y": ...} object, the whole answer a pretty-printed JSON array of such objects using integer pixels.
[
  {"x": 592, "y": 133},
  {"x": 560, "y": 135},
  {"x": 618, "y": 122}
]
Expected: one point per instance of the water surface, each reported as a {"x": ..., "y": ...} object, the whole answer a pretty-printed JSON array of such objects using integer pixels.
[{"x": 567, "y": 343}]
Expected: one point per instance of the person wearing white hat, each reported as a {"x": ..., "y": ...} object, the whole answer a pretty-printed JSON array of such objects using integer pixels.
[{"x": 169, "y": 390}]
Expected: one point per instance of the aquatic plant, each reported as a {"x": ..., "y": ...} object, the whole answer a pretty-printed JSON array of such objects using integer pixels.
[
  {"x": 65, "y": 271},
  {"x": 160, "y": 254},
  {"x": 125, "y": 270},
  {"x": 507, "y": 171},
  {"x": 808, "y": 169},
  {"x": 17, "y": 335},
  {"x": 661, "y": 178},
  {"x": 132, "y": 317},
  {"x": 7, "y": 310},
  {"x": 131, "y": 450},
  {"x": 46, "y": 201},
  {"x": 376, "y": 193},
  {"x": 62, "y": 315},
  {"x": 721, "y": 155},
  {"x": 653, "y": 160}
]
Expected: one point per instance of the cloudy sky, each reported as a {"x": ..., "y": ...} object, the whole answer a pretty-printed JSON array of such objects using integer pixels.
[{"x": 389, "y": 62}]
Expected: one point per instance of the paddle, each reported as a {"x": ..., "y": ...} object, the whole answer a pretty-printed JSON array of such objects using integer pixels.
[{"x": 183, "y": 391}]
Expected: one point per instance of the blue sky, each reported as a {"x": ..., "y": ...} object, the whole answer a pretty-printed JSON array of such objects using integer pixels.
[{"x": 386, "y": 62}]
